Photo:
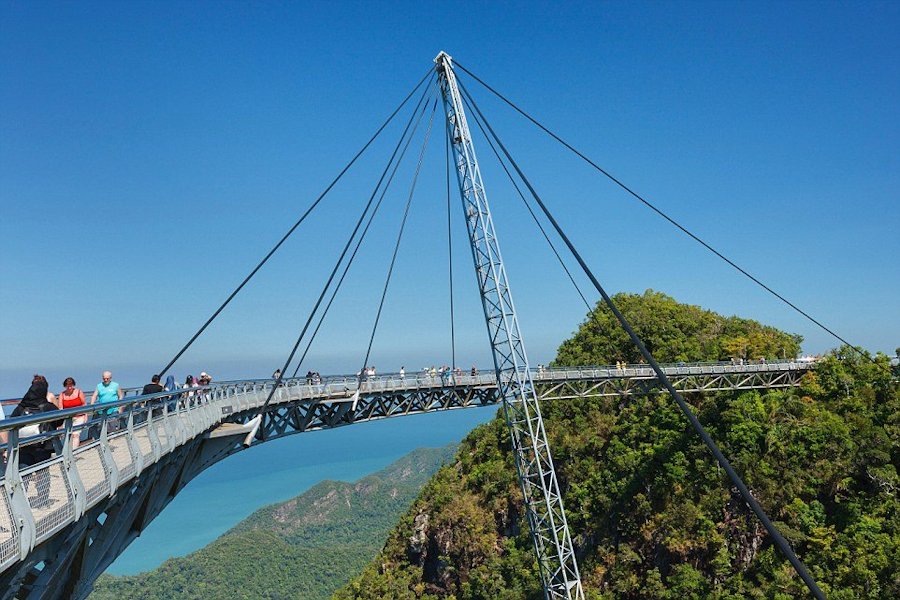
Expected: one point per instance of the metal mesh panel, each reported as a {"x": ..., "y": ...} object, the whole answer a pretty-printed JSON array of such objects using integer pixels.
[
  {"x": 142, "y": 437},
  {"x": 178, "y": 429},
  {"x": 122, "y": 455},
  {"x": 92, "y": 472},
  {"x": 9, "y": 532},
  {"x": 188, "y": 426},
  {"x": 50, "y": 499},
  {"x": 162, "y": 436}
]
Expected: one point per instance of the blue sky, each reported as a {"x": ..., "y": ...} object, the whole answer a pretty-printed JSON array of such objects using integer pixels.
[{"x": 151, "y": 153}]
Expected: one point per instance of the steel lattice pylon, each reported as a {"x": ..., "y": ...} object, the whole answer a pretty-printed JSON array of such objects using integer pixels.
[{"x": 543, "y": 501}]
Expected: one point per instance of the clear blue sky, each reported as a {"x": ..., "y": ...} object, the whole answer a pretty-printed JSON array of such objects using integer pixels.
[{"x": 151, "y": 153}]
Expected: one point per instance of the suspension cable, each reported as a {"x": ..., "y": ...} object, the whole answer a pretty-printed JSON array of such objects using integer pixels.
[
  {"x": 662, "y": 214},
  {"x": 591, "y": 315},
  {"x": 528, "y": 206},
  {"x": 450, "y": 258},
  {"x": 294, "y": 227},
  {"x": 387, "y": 280},
  {"x": 782, "y": 544},
  {"x": 352, "y": 257},
  {"x": 422, "y": 104}
]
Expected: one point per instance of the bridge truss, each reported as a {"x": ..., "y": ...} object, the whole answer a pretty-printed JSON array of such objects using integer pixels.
[{"x": 553, "y": 546}]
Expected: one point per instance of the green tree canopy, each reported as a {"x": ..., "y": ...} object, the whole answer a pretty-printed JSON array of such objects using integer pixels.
[{"x": 672, "y": 332}]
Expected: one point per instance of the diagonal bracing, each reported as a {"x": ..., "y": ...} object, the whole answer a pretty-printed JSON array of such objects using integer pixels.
[{"x": 537, "y": 476}]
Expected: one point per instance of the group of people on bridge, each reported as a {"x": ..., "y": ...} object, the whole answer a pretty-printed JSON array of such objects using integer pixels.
[{"x": 39, "y": 399}]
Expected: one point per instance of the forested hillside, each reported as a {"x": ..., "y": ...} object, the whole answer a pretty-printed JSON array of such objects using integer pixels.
[
  {"x": 672, "y": 332},
  {"x": 651, "y": 514},
  {"x": 304, "y": 548}
]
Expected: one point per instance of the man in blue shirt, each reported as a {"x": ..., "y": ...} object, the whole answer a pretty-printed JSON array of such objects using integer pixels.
[{"x": 107, "y": 391}]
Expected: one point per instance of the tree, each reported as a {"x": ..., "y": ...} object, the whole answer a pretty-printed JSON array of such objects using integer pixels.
[{"x": 672, "y": 332}]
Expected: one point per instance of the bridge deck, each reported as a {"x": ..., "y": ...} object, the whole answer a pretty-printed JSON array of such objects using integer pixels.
[{"x": 40, "y": 501}]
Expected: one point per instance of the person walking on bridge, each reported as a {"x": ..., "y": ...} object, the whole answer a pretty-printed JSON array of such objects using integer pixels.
[
  {"x": 37, "y": 400},
  {"x": 70, "y": 398},
  {"x": 108, "y": 391},
  {"x": 153, "y": 387}
]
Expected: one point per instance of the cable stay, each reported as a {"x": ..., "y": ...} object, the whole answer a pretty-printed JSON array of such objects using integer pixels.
[
  {"x": 350, "y": 261},
  {"x": 420, "y": 110},
  {"x": 450, "y": 260},
  {"x": 528, "y": 206},
  {"x": 782, "y": 544},
  {"x": 387, "y": 280},
  {"x": 665, "y": 216},
  {"x": 553, "y": 546},
  {"x": 429, "y": 74},
  {"x": 590, "y": 309}
]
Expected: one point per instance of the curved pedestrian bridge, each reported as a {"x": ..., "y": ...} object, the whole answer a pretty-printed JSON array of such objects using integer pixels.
[{"x": 64, "y": 520}]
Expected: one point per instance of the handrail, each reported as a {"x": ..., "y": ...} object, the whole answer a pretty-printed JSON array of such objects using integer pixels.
[
  {"x": 350, "y": 383},
  {"x": 40, "y": 496}
]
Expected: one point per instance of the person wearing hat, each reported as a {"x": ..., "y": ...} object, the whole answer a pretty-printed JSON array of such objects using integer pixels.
[{"x": 205, "y": 379}]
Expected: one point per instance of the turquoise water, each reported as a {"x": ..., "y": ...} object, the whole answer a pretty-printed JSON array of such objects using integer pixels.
[{"x": 231, "y": 490}]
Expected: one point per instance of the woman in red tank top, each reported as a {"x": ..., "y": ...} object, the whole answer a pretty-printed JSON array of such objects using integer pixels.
[{"x": 72, "y": 397}]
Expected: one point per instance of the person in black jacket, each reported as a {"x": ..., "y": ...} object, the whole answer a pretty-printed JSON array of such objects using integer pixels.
[{"x": 34, "y": 402}]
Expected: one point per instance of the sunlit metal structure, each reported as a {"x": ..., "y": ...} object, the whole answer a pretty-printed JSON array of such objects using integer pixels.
[{"x": 534, "y": 464}]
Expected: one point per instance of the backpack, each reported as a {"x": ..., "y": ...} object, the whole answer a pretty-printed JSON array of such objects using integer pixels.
[{"x": 36, "y": 428}]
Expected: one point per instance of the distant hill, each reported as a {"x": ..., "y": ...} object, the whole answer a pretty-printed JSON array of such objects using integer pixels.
[{"x": 304, "y": 548}]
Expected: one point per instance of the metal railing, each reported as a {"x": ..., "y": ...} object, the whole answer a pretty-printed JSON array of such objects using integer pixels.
[{"x": 63, "y": 462}]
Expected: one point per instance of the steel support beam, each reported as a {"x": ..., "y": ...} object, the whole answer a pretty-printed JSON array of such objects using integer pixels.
[{"x": 553, "y": 546}]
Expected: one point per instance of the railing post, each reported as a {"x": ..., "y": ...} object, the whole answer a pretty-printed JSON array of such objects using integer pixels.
[
  {"x": 168, "y": 425},
  {"x": 155, "y": 445},
  {"x": 192, "y": 414},
  {"x": 137, "y": 456},
  {"x": 112, "y": 472},
  {"x": 18, "y": 500},
  {"x": 68, "y": 464}
]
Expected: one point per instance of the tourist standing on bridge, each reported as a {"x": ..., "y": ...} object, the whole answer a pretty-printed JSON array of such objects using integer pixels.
[
  {"x": 49, "y": 395},
  {"x": 170, "y": 386},
  {"x": 72, "y": 397},
  {"x": 108, "y": 391},
  {"x": 153, "y": 387},
  {"x": 190, "y": 383},
  {"x": 402, "y": 372},
  {"x": 35, "y": 398},
  {"x": 277, "y": 374},
  {"x": 35, "y": 401}
]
